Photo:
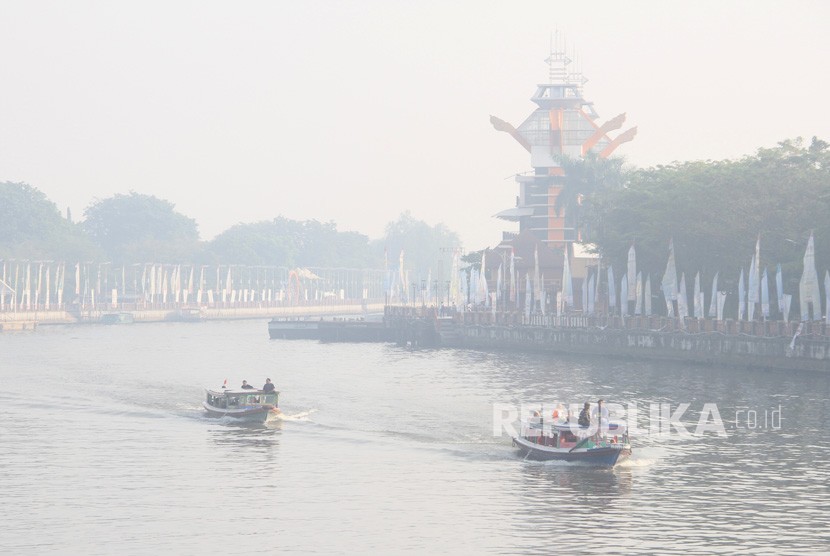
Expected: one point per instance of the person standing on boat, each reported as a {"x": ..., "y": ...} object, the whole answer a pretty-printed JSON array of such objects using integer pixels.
[
  {"x": 585, "y": 416},
  {"x": 246, "y": 386},
  {"x": 268, "y": 387},
  {"x": 604, "y": 410}
]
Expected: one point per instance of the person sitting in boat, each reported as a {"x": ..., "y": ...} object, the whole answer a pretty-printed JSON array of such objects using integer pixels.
[
  {"x": 268, "y": 387},
  {"x": 246, "y": 386},
  {"x": 585, "y": 416}
]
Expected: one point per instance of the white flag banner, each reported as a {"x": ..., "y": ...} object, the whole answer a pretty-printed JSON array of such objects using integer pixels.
[
  {"x": 713, "y": 301},
  {"x": 698, "y": 306},
  {"x": 808, "y": 286},
  {"x": 669, "y": 283},
  {"x": 682, "y": 300},
  {"x": 827, "y": 297},
  {"x": 721, "y": 302},
  {"x": 567, "y": 283},
  {"x": 752, "y": 292},
  {"x": 741, "y": 297},
  {"x": 779, "y": 288},
  {"x": 483, "y": 288},
  {"x": 499, "y": 297},
  {"x": 48, "y": 293},
  {"x": 624, "y": 295},
  {"x": 632, "y": 274},
  {"x": 612, "y": 290},
  {"x": 638, "y": 295},
  {"x": 537, "y": 284}
]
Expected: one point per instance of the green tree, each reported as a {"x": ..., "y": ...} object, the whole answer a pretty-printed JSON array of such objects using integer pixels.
[
  {"x": 426, "y": 248},
  {"x": 135, "y": 228},
  {"x": 584, "y": 179},
  {"x": 291, "y": 243},
  {"x": 250, "y": 244},
  {"x": 31, "y": 227},
  {"x": 715, "y": 210}
]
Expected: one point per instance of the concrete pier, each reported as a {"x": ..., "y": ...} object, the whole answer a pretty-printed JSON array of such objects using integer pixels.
[{"x": 20, "y": 320}]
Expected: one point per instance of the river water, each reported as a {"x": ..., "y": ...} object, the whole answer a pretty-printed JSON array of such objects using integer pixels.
[{"x": 104, "y": 449}]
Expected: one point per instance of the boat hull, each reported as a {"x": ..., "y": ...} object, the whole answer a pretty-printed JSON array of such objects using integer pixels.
[
  {"x": 253, "y": 415},
  {"x": 606, "y": 456}
]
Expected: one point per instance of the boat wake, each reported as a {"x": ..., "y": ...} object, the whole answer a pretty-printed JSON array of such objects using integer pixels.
[
  {"x": 640, "y": 459},
  {"x": 301, "y": 416},
  {"x": 631, "y": 463}
]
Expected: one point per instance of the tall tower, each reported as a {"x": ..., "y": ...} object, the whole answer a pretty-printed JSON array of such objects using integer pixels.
[{"x": 564, "y": 123}]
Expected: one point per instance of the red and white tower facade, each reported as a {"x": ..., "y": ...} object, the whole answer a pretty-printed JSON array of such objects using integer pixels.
[{"x": 564, "y": 123}]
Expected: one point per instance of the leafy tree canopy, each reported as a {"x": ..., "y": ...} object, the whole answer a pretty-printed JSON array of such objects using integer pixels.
[
  {"x": 585, "y": 177},
  {"x": 140, "y": 228},
  {"x": 426, "y": 248},
  {"x": 290, "y": 243},
  {"x": 715, "y": 210},
  {"x": 32, "y": 227}
]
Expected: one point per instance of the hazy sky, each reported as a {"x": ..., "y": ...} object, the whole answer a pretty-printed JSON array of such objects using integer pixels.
[{"x": 357, "y": 111}]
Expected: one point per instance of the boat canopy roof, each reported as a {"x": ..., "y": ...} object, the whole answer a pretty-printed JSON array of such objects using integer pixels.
[
  {"x": 614, "y": 426},
  {"x": 237, "y": 391}
]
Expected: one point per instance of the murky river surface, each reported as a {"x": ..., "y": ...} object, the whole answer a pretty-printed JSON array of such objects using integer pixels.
[{"x": 104, "y": 449}]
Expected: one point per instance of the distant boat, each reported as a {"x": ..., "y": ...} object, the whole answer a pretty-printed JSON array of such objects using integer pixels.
[
  {"x": 250, "y": 405},
  {"x": 117, "y": 318},
  {"x": 563, "y": 441},
  {"x": 186, "y": 314}
]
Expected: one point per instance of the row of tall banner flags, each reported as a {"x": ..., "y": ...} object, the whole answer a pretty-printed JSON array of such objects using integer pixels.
[
  {"x": 753, "y": 291},
  {"x": 754, "y": 299},
  {"x": 48, "y": 285}
]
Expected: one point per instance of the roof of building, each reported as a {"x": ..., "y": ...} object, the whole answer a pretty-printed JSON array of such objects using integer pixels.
[{"x": 514, "y": 213}]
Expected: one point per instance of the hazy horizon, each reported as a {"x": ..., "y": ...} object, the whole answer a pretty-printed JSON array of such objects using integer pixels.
[{"x": 357, "y": 112}]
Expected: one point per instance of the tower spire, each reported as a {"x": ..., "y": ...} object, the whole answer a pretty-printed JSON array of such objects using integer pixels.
[{"x": 557, "y": 61}]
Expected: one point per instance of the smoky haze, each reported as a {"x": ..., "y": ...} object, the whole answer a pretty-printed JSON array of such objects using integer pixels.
[{"x": 355, "y": 112}]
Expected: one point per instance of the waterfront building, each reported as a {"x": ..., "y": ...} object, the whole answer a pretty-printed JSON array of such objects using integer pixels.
[{"x": 564, "y": 124}]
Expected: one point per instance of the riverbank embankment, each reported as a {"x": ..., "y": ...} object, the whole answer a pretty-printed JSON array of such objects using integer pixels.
[
  {"x": 30, "y": 320},
  {"x": 758, "y": 345}
]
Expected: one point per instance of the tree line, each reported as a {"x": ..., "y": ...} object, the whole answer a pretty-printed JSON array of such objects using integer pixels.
[{"x": 138, "y": 228}]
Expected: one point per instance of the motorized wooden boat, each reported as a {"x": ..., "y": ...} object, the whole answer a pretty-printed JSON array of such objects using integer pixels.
[
  {"x": 117, "y": 318},
  {"x": 243, "y": 405},
  {"x": 186, "y": 314},
  {"x": 603, "y": 446}
]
